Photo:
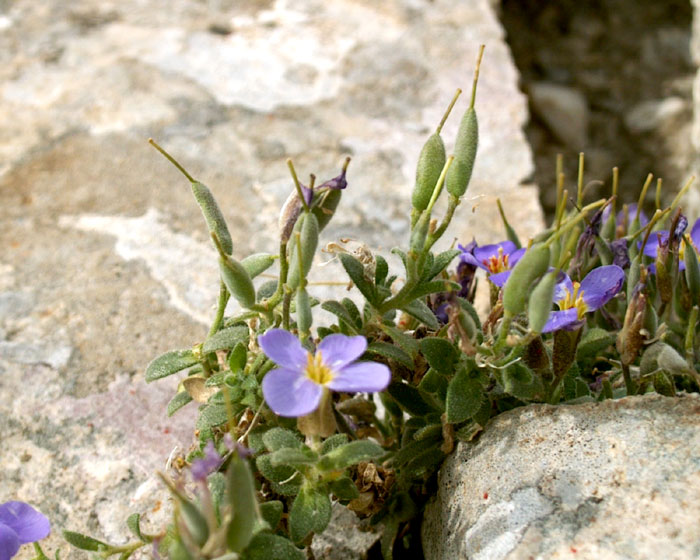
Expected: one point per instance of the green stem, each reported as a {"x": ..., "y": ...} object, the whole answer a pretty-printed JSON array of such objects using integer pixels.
[{"x": 220, "y": 309}]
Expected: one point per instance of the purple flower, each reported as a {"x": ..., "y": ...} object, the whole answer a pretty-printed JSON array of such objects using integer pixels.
[
  {"x": 497, "y": 259},
  {"x": 202, "y": 468},
  {"x": 631, "y": 213},
  {"x": 296, "y": 387},
  {"x": 661, "y": 237},
  {"x": 575, "y": 300},
  {"x": 20, "y": 524}
]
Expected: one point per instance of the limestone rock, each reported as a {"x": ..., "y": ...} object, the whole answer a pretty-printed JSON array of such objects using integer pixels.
[
  {"x": 564, "y": 110},
  {"x": 618, "y": 479}
]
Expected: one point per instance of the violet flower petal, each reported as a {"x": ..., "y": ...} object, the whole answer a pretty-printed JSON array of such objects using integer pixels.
[
  {"x": 563, "y": 288},
  {"x": 500, "y": 278},
  {"x": 362, "y": 377},
  {"x": 515, "y": 256},
  {"x": 29, "y": 524},
  {"x": 283, "y": 348},
  {"x": 9, "y": 542},
  {"x": 339, "y": 350},
  {"x": 202, "y": 468},
  {"x": 290, "y": 393},
  {"x": 467, "y": 255},
  {"x": 560, "y": 319},
  {"x": 655, "y": 239},
  {"x": 695, "y": 234},
  {"x": 601, "y": 284},
  {"x": 484, "y": 252}
]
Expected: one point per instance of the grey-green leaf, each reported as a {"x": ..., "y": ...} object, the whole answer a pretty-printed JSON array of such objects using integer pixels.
[
  {"x": 225, "y": 339},
  {"x": 169, "y": 363},
  {"x": 464, "y": 397},
  {"x": 310, "y": 512}
]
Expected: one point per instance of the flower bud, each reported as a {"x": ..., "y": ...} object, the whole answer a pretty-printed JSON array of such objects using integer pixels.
[
  {"x": 430, "y": 163},
  {"x": 258, "y": 263},
  {"x": 692, "y": 271},
  {"x": 630, "y": 338},
  {"x": 289, "y": 216}
]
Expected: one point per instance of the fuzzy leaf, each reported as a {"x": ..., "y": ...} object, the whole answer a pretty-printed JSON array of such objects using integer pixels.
[
  {"x": 422, "y": 312},
  {"x": 169, "y": 363},
  {"x": 211, "y": 415},
  {"x": 332, "y": 442},
  {"x": 464, "y": 397},
  {"x": 442, "y": 261},
  {"x": 410, "y": 399},
  {"x": 344, "y": 488},
  {"x": 593, "y": 342},
  {"x": 521, "y": 382},
  {"x": 83, "y": 542},
  {"x": 265, "y": 546},
  {"x": 225, "y": 339},
  {"x": 356, "y": 272},
  {"x": 339, "y": 311},
  {"x": 310, "y": 512},
  {"x": 441, "y": 354},
  {"x": 386, "y": 350},
  {"x": 285, "y": 479},
  {"x": 271, "y": 512},
  {"x": 277, "y": 438},
  {"x": 381, "y": 270},
  {"x": 293, "y": 456},
  {"x": 178, "y": 401},
  {"x": 434, "y": 287},
  {"x": 350, "y": 454},
  {"x": 133, "y": 522}
]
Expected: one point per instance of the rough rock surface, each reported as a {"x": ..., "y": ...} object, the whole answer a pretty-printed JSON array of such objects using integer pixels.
[
  {"x": 614, "y": 480},
  {"x": 105, "y": 259}
]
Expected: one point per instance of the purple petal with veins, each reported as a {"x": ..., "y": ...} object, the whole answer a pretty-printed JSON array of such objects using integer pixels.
[
  {"x": 361, "y": 377},
  {"x": 601, "y": 284},
  {"x": 561, "y": 319},
  {"x": 339, "y": 350},
  {"x": 290, "y": 393},
  {"x": 283, "y": 348}
]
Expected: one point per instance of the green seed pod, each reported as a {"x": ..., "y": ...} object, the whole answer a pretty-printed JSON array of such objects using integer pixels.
[
  {"x": 540, "y": 303},
  {"x": 530, "y": 267},
  {"x": 430, "y": 163},
  {"x": 465, "y": 153},
  {"x": 326, "y": 208},
  {"x": 213, "y": 216},
  {"x": 692, "y": 272},
  {"x": 633, "y": 276},
  {"x": 258, "y": 263},
  {"x": 237, "y": 281},
  {"x": 419, "y": 233},
  {"x": 309, "y": 241},
  {"x": 304, "y": 317}
]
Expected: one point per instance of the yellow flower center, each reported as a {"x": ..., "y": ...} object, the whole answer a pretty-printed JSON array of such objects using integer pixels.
[
  {"x": 496, "y": 263},
  {"x": 574, "y": 300},
  {"x": 317, "y": 371}
]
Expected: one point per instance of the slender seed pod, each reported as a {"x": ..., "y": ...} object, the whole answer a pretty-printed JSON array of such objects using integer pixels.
[
  {"x": 237, "y": 281},
  {"x": 540, "y": 303},
  {"x": 212, "y": 215},
  {"x": 309, "y": 241},
  {"x": 430, "y": 163},
  {"x": 325, "y": 210},
  {"x": 530, "y": 267},
  {"x": 633, "y": 276},
  {"x": 420, "y": 232},
  {"x": 304, "y": 317},
  {"x": 692, "y": 271},
  {"x": 258, "y": 263},
  {"x": 465, "y": 153}
]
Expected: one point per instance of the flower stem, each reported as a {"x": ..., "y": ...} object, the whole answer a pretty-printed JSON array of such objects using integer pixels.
[{"x": 220, "y": 309}]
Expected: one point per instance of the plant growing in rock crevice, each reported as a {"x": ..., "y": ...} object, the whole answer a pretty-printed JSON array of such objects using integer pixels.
[{"x": 276, "y": 446}]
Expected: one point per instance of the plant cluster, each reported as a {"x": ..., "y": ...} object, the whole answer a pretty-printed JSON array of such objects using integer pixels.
[{"x": 363, "y": 411}]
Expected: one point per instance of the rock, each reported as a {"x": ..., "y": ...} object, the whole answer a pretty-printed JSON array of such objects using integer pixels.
[
  {"x": 564, "y": 110},
  {"x": 106, "y": 260},
  {"x": 346, "y": 537},
  {"x": 656, "y": 114},
  {"x": 617, "y": 479}
]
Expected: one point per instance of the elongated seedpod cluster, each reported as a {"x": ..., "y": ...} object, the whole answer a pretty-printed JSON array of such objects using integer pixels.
[{"x": 460, "y": 173}]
